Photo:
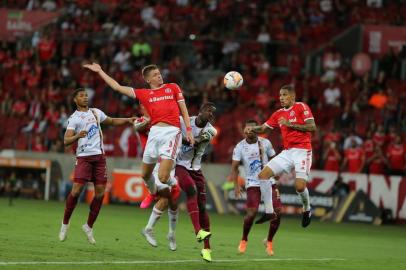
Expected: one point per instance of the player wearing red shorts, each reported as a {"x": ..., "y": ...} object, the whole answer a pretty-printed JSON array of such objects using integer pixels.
[
  {"x": 163, "y": 102},
  {"x": 296, "y": 122},
  {"x": 253, "y": 152},
  {"x": 84, "y": 128}
]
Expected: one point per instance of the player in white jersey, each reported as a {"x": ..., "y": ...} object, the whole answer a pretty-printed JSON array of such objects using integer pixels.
[
  {"x": 190, "y": 177},
  {"x": 253, "y": 152},
  {"x": 84, "y": 128}
]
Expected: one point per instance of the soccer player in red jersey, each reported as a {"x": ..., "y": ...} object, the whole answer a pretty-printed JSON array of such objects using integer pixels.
[
  {"x": 84, "y": 128},
  {"x": 163, "y": 102},
  {"x": 296, "y": 123}
]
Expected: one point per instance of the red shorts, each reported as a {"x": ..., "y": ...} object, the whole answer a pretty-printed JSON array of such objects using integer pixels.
[
  {"x": 90, "y": 169},
  {"x": 254, "y": 197}
]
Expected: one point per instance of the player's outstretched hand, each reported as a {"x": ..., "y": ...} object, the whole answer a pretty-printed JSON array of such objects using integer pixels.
[
  {"x": 82, "y": 134},
  {"x": 132, "y": 120},
  {"x": 93, "y": 67},
  {"x": 190, "y": 138}
]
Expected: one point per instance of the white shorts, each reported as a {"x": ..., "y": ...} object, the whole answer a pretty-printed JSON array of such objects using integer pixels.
[
  {"x": 163, "y": 142},
  {"x": 299, "y": 159},
  {"x": 158, "y": 184}
]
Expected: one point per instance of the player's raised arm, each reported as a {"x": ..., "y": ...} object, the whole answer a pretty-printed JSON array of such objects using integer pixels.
[
  {"x": 70, "y": 136},
  {"x": 125, "y": 90}
]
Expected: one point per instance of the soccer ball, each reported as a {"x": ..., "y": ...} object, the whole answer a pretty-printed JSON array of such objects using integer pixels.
[{"x": 233, "y": 80}]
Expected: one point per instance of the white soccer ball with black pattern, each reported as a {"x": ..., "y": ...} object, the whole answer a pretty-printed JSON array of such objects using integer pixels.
[{"x": 233, "y": 80}]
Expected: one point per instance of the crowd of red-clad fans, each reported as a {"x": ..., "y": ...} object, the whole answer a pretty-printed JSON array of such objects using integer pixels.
[{"x": 362, "y": 120}]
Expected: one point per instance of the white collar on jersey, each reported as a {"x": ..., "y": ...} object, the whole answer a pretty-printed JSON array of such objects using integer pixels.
[{"x": 289, "y": 107}]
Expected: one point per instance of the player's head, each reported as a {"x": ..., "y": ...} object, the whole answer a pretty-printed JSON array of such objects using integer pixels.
[
  {"x": 80, "y": 97},
  {"x": 250, "y": 123},
  {"x": 152, "y": 76},
  {"x": 287, "y": 96},
  {"x": 207, "y": 111}
]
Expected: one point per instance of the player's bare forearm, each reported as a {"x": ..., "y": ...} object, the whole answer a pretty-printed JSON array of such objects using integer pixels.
[
  {"x": 128, "y": 91},
  {"x": 234, "y": 172},
  {"x": 259, "y": 129},
  {"x": 184, "y": 112},
  {"x": 118, "y": 121},
  {"x": 109, "y": 80},
  {"x": 70, "y": 136},
  {"x": 308, "y": 126}
]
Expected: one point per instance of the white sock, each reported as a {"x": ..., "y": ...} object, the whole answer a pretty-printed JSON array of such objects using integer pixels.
[
  {"x": 305, "y": 199},
  {"x": 153, "y": 218},
  {"x": 266, "y": 192},
  {"x": 151, "y": 184},
  {"x": 173, "y": 220}
]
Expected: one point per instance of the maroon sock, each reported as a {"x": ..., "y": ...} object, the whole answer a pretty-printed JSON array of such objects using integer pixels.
[
  {"x": 273, "y": 227},
  {"x": 70, "y": 205},
  {"x": 248, "y": 221},
  {"x": 193, "y": 211},
  {"x": 94, "y": 210},
  {"x": 205, "y": 224}
]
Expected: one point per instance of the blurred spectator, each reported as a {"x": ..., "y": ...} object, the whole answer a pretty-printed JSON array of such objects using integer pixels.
[
  {"x": 377, "y": 162},
  {"x": 397, "y": 157},
  {"x": 332, "y": 95},
  {"x": 38, "y": 145},
  {"x": 331, "y": 63},
  {"x": 122, "y": 58},
  {"x": 351, "y": 139},
  {"x": 6, "y": 104},
  {"x": 46, "y": 49},
  {"x": 379, "y": 136},
  {"x": 354, "y": 159},
  {"x": 332, "y": 158},
  {"x": 263, "y": 35}
]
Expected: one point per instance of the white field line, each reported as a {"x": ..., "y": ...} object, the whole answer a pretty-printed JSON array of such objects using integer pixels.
[{"x": 169, "y": 261}]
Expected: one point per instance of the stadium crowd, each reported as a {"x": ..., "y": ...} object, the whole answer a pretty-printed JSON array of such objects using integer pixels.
[{"x": 361, "y": 119}]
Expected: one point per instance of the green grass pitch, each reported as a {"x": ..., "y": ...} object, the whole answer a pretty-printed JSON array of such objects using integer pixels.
[{"x": 29, "y": 233}]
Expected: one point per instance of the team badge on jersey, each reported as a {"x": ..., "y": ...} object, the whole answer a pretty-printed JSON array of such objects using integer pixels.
[{"x": 168, "y": 90}]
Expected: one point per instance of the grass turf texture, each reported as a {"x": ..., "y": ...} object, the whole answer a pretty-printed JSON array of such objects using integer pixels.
[{"x": 29, "y": 233}]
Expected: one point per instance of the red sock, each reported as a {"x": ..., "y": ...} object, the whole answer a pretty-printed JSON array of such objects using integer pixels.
[
  {"x": 205, "y": 224},
  {"x": 193, "y": 211},
  {"x": 94, "y": 210},
  {"x": 70, "y": 205},
  {"x": 273, "y": 227},
  {"x": 248, "y": 221}
]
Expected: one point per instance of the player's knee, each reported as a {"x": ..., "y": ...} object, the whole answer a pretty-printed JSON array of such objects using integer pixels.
[
  {"x": 251, "y": 213},
  {"x": 163, "y": 177},
  {"x": 76, "y": 190},
  {"x": 190, "y": 191},
  {"x": 300, "y": 185},
  {"x": 265, "y": 174},
  {"x": 162, "y": 203}
]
